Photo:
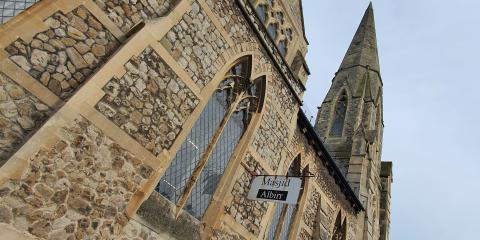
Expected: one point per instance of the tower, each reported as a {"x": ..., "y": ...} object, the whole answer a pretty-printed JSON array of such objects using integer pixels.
[{"x": 350, "y": 121}]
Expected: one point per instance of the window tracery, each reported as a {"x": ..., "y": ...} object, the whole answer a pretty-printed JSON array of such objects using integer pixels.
[
  {"x": 193, "y": 175},
  {"x": 272, "y": 14}
]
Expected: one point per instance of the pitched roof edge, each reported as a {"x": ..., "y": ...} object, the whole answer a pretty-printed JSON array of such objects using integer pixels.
[{"x": 328, "y": 161}]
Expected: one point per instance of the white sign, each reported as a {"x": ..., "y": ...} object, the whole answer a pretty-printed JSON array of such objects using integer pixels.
[{"x": 275, "y": 189}]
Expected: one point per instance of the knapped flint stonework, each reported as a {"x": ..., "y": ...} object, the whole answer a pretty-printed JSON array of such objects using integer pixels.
[
  {"x": 77, "y": 189},
  {"x": 195, "y": 44},
  {"x": 247, "y": 212},
  {"x": 271, "y": 139},
  {"x": 310, "y": 213},
  {"x": 231, "y": 19},
  {"x": 65, "y": 55},
  {"x": 304, "y": 235},
  {"x": 150, "y": 102},
  {"x": 283, "y": 97},
  {"x": 21, "y": 114},
  {"x": 126, "y": 13}
]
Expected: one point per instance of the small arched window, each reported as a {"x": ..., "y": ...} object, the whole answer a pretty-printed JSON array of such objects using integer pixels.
[
  {"x": 279, "y": 17},
  {"x": 193, "y": 175},
  {"x": 272, "y": 30},
  {"x": 339, "y": 115},
  {"x": 285, "y": 213},
  {"x": 282, "y": 47},
  {"x": 262, "y": 12},
  {"x": 340, "y": 228},
  {"x": 289, "y": 33}
]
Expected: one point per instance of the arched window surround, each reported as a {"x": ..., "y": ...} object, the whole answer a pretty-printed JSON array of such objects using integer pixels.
[
  {"x": 234, "y": 106},
  {"x": 333, "y": 115},
  {"x": 283, "y": 228}
]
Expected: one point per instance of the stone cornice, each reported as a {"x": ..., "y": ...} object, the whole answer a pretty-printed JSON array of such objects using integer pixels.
[{"x": 295, "y": 85}]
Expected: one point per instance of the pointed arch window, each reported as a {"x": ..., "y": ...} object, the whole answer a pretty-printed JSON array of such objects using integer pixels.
[
  {"x": 262, "y": 12},
  {"x": 282, "y": 47},
  {"x": 339, "y": 115},
  {"x": 272, "y": 30},
  {"x": 340, "y": 228},
  {"x": 193, "y": 175},
  {"x": 285, "y": 213}
]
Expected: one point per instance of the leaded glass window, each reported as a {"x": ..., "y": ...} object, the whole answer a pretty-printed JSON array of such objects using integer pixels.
[
  {"x": 339, "y": 115},
  {"x": 282, "y": 47},
  {"x": 193, "y": 175},
  {"x": 11, "y": 8}
]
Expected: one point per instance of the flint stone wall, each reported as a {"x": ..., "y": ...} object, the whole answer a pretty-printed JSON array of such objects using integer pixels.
[
  {"x": 21, "y": 114},
  {"x": 246, "y": 212},
  {"x": 150, "y": 102},
  {"x": 271, "y": 139},
  {"x": 126, "y": 13},
  {"x": 195, "y": 44},
  {"x": 77, "y": 188},
  {"x": 232, "y": 21},
  {"x": 65, "y": 55}
]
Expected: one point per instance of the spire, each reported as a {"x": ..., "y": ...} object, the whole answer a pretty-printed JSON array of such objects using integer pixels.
[{"x": 363, "y": 49}]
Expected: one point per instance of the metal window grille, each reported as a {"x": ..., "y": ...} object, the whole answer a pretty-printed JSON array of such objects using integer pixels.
[{"x": 10, "y": 8}]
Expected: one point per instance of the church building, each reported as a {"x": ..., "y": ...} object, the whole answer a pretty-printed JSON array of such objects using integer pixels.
[{"x": 149, "y": 119}]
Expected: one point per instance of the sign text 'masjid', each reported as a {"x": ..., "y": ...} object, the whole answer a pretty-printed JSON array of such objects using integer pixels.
[{"x": 275, "y": 189}]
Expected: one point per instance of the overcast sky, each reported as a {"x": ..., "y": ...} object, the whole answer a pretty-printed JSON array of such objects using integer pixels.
[{"x": 429, "y": 57}]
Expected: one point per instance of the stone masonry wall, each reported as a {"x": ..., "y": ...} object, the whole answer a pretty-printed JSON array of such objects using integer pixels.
[
  {"x": 271, "y": 139},
  {"x": 246, "y": 212},
  {"x": 149, "y": 102},
  {"x": 126, "y": 13},
  {"x": 283, "y": 97},
  {"x": 304, "y": 235},
  {"x": 310, "y": 213},
  {"x": 21, "y": 114},
  {"x": 195, "y": 44},
  {"x": 77, "y": 188},
  {"x": 65, "y": 55},
  {"x": 231, "y": 19}
]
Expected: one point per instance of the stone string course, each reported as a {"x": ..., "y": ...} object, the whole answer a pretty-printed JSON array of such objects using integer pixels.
[
  {"x": 77, "y": 189},
  {"x": 246, "y": 212},
  {"x": 21, "y": 114},
  {"x": 149, "y": 102},
  {"x": 126, "y": 13},
  {"x": 271, "y": 137},
  {"x": 135, "y": 230},
  {"x": 232, "y": 20},
  {"x": 195, "y": 44}
]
